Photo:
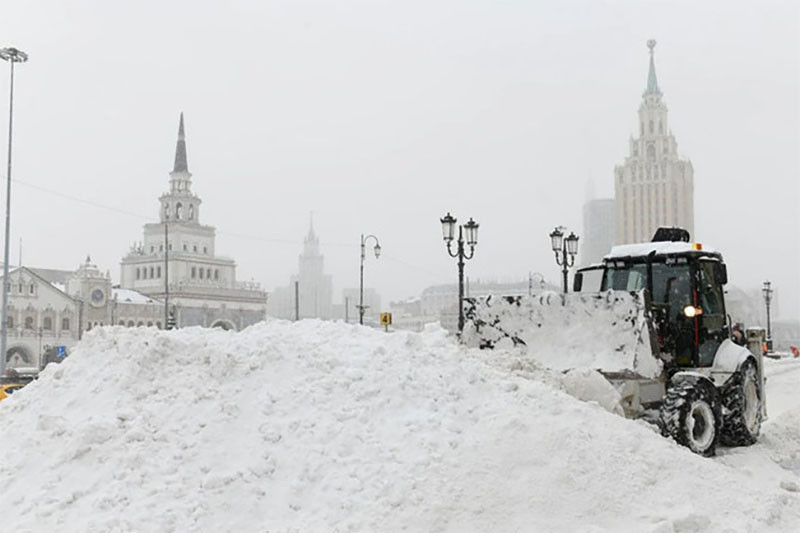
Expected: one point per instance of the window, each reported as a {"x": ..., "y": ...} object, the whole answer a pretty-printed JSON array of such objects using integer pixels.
[
  {"x": 178, "y": 210},
  {"x": 138, "y": 274},
  {"x": 194, "y": 272},
  {"x": 28, "y": 322},
  {"x": 194, "y": 248},
  {"x": 32, "y": 288},
  {"x": 19, "y": 288},
  {"x": 151, "y": 273},
  {"x": 191, "y": 211},
  {"x": 185, "y": 248},
  {"x": 130, "y": 323},
  {"x": 158, "y": 272},
  {"x": 65, "y": 323},
  {"x": 47, "y": 323},
  {"x": 651, "y": 126},
  {"x": 121, "y": 322},
  {"x": 201, "y": 273},
  {"x": 660, "y": 127},
  {"x": 152, "y": 249},
  {"x": 149, "y": 324},
  {"x": 205, "y": 249},
  {"x": 160, "y": 247},
  {"x": 10, "y": 322},
  {"x": 170, "y": 246},
  {"x": 158, "y": 324},
  {"x": 216, "y": 273},
  {"x": 208, "y": 273},
  {"x": 140, "y": 324}
]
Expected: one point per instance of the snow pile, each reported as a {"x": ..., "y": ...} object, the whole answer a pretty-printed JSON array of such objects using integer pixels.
[
  {"x": 317, "y": 426},
  {"x": 605, "y": 331}
]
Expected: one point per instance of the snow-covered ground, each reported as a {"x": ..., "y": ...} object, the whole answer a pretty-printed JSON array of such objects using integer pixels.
[{"x": 320, "y": 426}]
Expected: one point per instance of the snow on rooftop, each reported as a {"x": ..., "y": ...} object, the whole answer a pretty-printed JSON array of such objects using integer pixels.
[
  {"x": 131, "y": 296},
  {"x": 660, "y": 248},
  {"x": 318, "y": 426}
]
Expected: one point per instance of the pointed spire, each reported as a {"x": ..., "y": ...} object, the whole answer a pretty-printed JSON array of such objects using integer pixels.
[
  {"x": 652, "y": 80},
  {"x": 180, "y": 150}
]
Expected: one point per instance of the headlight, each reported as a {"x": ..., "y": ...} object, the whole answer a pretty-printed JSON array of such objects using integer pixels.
[{"x": 691, "y": 311}]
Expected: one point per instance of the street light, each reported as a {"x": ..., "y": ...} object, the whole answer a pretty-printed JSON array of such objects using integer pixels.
[
  {"x": 767, "y": 291},
  {"x": 468, "y": 232},
  {"x": 12, "y": 55},
  {"x": 377, "y": 250},
  {"x": 567, "y": 248}
]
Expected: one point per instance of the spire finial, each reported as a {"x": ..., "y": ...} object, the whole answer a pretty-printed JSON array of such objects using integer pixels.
[
  {"x": 652, "y": 80},
  {"x": 181, "y": 165}
]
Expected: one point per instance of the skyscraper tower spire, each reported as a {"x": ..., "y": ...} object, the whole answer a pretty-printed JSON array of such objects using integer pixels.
[
  {"x": 181, "y": 165},
  {"x": 652, "y": 80}
]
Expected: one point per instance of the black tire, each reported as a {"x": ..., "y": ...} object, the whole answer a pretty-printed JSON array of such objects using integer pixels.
[
  {"x": 741, "y": 397},
  {"x": 692, "y": 414}
]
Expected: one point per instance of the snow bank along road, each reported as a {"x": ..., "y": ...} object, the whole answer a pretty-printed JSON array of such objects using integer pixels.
[{"x": 319, "y": 426}]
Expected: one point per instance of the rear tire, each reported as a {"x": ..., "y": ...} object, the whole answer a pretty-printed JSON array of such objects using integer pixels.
[
  {"x": 741, "y": 397},
  {"x": 691, "y": 414}
]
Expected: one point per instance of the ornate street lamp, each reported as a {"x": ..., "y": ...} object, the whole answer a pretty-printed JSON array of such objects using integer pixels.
[
  {"x": 466, "y": 233},
  {"x": 377, "y": 249},
  {"x": 767, "y": 291},
  {"x": 565, "y": 250},
  {"x": 12, "y": 55}
]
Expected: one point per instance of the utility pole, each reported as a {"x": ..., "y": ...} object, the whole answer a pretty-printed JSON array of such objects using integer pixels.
[
  {"x": 297, "y": 300},
  {"x": 166, "y": 271}
]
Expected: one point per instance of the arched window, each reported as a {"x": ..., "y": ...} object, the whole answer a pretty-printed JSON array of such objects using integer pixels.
[
  {"x": 191, "y": 211},
  {"x": 47, "y": 323},
  {"x": 28, "y": 322},
  {"x": 149, "y": 324},
  {"x": 65, "y": 323},
  {"x": 121, "y": 322},
  {"x": 130, "y": 323},
  {"x": 158, "y": 324},
  {"x": 140, "y": 324},
  {"x": 178, "y": 210}
]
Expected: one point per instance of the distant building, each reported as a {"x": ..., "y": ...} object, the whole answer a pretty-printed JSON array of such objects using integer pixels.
[
  {"x": 179, "y": 251},
  {"x": 314, "y": 287},
  {"x": 653, "y": 187},
  {"x": 599, "y": 225}
]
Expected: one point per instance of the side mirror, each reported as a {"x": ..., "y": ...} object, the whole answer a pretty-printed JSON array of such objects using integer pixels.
[
  {"x": 721, "y": 273},
  {"x": 577, "y": 282}
]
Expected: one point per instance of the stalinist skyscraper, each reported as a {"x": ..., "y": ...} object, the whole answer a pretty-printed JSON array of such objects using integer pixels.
[{"x": 653, "y": 187}]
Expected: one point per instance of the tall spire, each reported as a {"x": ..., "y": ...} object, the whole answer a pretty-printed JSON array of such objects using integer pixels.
[
  {"x": 652, "y": 81},
  {"x": 180, "y": 151}
]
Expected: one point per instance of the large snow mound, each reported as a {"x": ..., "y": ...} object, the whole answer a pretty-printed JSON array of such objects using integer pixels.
[{"x": 318, "y": 426}]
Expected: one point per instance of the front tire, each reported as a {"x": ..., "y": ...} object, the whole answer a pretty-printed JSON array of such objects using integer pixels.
[
  {"x": 741, "y": 396},
  {"x": 691, "y": 414}
]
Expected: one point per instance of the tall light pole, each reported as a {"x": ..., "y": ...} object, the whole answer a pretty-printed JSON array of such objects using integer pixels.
[
  {"x": 12, "y": 55},
  {"x": 449, "y": 232},
  {"x": 377, "y": 250},
  {"x": 565, "y": 250},
  {"x": 166, "y": 267},
  {"x": 767, "y": 291}
]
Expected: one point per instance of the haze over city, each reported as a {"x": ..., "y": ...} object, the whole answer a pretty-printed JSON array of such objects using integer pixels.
[{"x": 380, "y": 117}]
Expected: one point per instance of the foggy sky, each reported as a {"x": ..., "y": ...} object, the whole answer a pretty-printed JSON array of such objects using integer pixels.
[{"x": 381, "y": 116}]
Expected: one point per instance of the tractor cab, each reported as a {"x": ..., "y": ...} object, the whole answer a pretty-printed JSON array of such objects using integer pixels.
[{"x": 684, "y": 287}]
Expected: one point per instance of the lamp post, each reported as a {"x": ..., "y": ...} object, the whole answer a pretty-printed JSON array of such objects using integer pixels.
[
  {"x": 448, "y": 232},
  {"x": 767, "y": 291},
  {"x": 12, "y": 55},
  {"x": 565, "y": 250},
  {"x": 377, "y": 250}
]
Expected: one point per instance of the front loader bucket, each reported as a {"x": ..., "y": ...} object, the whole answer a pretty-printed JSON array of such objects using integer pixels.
[{"x": 610, "y": 331}]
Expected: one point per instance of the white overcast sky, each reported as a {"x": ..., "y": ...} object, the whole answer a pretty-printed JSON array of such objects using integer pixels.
[{"x": 381, "y": 116}]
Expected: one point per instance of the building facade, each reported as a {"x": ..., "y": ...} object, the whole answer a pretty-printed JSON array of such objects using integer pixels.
[
  {"x": 653, "y": 187},
  {"x": 49, "y": 310},
  {"x": 177, "y": 260}
]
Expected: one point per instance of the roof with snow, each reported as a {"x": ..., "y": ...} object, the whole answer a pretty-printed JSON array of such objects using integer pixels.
[
  {"x": 660, "y": 248},
  {"x": 131, "y": 296}
]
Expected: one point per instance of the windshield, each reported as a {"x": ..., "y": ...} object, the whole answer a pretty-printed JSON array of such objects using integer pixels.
[{"x": 671, "y": 283}]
